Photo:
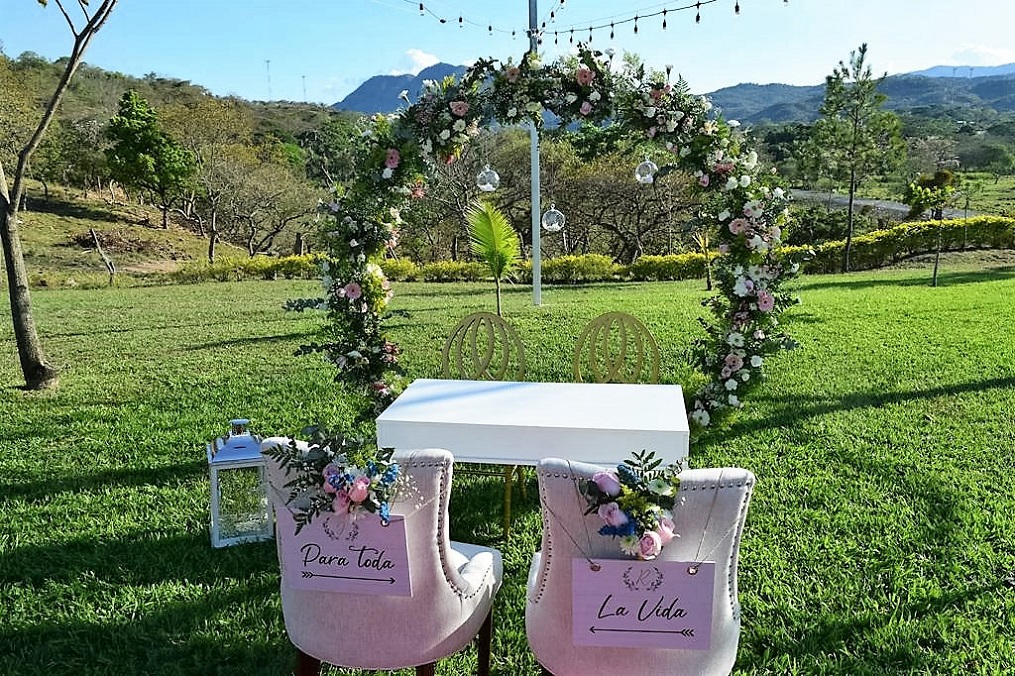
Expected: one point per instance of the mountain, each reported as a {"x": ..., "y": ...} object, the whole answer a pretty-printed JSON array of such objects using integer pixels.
[
  {"x": 966, "y": 71},
  {"x": 991, "y": 89},
  {"x": 380, "y": 93}
]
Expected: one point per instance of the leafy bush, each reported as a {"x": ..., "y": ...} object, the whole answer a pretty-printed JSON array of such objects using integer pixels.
[
  {"x": 259, "y": 267},
  {"x": 573, "y": 269},
  {"x": 453, "y": 271},
  {"x": 884, "y": 247},
  {"x": 670, "y": 267},
  {"x": 400, "y": 269}
]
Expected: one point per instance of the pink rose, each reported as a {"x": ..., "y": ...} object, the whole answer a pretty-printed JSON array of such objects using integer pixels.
[
  {"x": 766, "y": 301},
  {"x": 392, "y": 159},
  {"x": 585, "y": 76},
  {"x": 459, "y": 108},
  {"x": 607, "y": 482},
  {"x": 360, "y": 489},
  {"x": 586, "y": 108},
  {"x": 612, "y": 514},
  {"x": 703, "y": 181},
  {"x": 734, "y": 361},
  {"x": 352, "y": 291},
  {"x": 650, "y": 545},
  {"x": 341, "y": 503},
  {"x": 512, "y": 73},
  {"x": 738, "y": 225},
  {"x": 651, "y": 132},
  {"x": 666, "y": 530}
]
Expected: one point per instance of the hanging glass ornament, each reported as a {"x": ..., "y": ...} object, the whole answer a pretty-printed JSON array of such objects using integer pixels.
[
  {"x": 553, "y": 220},
  {"x": 487, "y": 180},
  {"x": 646, "y": 171}
]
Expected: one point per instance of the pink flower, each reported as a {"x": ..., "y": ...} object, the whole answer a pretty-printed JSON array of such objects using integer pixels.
[
  {"x": 586, "y": 108},
  {"x": 360, "y": 489},
  {"x": 341, "y": 503},
  {"x": 703, "y": 181},
  {"x": 665, "y": 529},
  {"x": 459, "y": 108},
  {"x": 392, "y": 159},
  {"x": 738, "y": 225},
  {"x": 612, "y": 514},
  {"x": 735, "y": 362},
  {"x": 724, "y": 248},
  {"x": 512, "y": 73},
  {"x": 352, "y": 291},
  {"x": 650, "y": 545},
  {"x": 651, "y": 132},
  {"x": 585, "y": 76},
  {"x": 766, "y": 301},
  {"x": 607, "y": 482},
  {"x": 656, "y": 94}
]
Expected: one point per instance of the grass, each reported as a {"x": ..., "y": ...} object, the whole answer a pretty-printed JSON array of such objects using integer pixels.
[{"x": 880, "y": 538}]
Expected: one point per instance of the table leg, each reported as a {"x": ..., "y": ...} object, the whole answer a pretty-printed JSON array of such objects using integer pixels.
[{"x": 508, "y": 475}]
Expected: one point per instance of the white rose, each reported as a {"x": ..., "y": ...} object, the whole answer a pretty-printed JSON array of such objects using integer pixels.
[
  {"x": 388, "y": 172},
  {"x": 735, "y": 339},
  {"x": 445, "y": 134},
  {"x": 732, "y": 184},
  {"x": 733, "y": 400},
  {"x": 595, "y": 96},
  {"x": 650, "y": 111},
  {"x": 779, "y": 193},
  {"x": 701, "y": 417},
  {"x": 745, "y": 181},
  {"x": 731, "y": 384},
  {"x": 757, "y": 361},
  {"x": 512, "y": 111},
  {"x": 724, "y": 214}
]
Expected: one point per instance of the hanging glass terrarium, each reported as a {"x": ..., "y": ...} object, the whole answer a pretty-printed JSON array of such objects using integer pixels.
[
  {"x": 646, "y": 171},
  {"x": 553, "y": 220},
  {"x": 487, "y": 180}
]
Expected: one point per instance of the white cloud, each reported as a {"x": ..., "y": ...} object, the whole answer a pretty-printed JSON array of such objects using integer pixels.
[
  {"x": 979, "y": 55},
  {"x": 413, "y": 61}
]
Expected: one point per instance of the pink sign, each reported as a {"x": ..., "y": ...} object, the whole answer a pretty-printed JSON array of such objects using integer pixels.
[
  {"x": 337, "y": 554},
  {"x": 643, "y": 604}
]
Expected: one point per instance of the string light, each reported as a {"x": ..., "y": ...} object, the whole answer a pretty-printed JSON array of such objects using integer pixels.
[
  {"x": 736, "y": 7},
  {"x": 635, "y": 24},
  {"x": 664, "y": 19},
  {"x": 664, "y": 13},
  {"x": 697, "y": 18}
]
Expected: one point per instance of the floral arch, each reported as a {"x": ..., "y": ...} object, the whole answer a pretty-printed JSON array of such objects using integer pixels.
[{"x": 743, "y": 202}]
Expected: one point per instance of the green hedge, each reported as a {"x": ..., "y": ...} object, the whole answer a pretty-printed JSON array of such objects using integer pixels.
[
  {"x": 883, "y": 247},
  {"x": 670, "y": 267},
  {"x": 453, "y": 271},
  {"x": 400, "y": 269},
  {"x": 258, "y": 267}
]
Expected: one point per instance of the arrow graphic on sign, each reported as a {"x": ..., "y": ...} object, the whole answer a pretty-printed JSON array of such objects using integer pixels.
[
  {"x": 682, "y": 632},
  {"x": 307, "y": 574}
]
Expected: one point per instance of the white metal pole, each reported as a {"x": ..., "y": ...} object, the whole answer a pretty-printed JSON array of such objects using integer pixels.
[{"x": 537, "y": 295}]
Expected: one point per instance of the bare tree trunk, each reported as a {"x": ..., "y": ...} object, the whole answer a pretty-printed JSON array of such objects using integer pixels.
[
  {"x": 849, "y": 221},
  {"x": 213, "y": 235},
  {"x": 106, "y": 260},
  {"x": 37, "y": 373}
]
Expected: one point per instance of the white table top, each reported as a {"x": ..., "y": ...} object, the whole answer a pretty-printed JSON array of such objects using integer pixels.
[{"x": 514, "y": 423}]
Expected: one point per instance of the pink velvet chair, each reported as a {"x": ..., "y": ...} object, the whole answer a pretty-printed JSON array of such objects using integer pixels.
[
  {"x": 710, "y": 522},
  {"x": 453, "y": 587}
]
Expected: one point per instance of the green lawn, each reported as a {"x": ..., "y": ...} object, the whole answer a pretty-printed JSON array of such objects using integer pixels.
[{"x": 880, "y": 539}]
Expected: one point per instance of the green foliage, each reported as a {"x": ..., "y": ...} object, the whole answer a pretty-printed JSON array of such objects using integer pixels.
[
  {"x": 884, "y": 247},
  {"x": 930, "y": 192},
  {"x": 400, "y": 269},
  {"x": 144, "y": 156},
  {"x": 670, "y": 267},
  {"x": 258, "y": 267},
  {"x": 579, "y": 269},
  {"x": 452, "y": 271},
  {"x": 493, "y": 241}
]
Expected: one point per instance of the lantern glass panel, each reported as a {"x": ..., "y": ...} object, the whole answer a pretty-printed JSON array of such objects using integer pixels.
[{"x": 244, "y": 513}]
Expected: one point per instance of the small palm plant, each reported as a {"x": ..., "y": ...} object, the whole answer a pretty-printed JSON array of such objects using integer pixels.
[{"x": 494, "y": 241}]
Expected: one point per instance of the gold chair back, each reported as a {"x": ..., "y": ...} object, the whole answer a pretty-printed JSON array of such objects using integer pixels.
[
  {"x": 616, "y": 348},
  {"x": 484, "y": 347}
]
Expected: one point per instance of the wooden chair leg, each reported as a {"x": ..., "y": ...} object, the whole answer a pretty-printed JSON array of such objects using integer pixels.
[
  {"x": 426, "y": 669},
  {"x": 484, "y": 639},
  {"x": 509, "y": 472},
  {"x": 307, "y": 665},
  {"x": 543, "y": 671}
]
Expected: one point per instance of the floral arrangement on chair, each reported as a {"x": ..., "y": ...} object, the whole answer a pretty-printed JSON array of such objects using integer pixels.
[
  {"x": 636, "y": 504},
  {"x": 341, "y": 475}
]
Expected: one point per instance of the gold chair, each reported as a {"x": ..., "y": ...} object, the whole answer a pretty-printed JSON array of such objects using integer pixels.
[
  {"x": 485, "y": 347},
  {"x": 616, "y": 348}
]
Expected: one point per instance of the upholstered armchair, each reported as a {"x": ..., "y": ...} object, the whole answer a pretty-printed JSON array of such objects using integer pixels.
[
  {"x": 709, "y": 517},
  {"x": 453, "y": 585}
]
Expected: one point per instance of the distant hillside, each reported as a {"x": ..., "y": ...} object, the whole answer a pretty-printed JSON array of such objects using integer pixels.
[
  {"x": 966, "y": 71},
  {"x": 992, "y": 89},
  {"x": 380, "y": 93}
]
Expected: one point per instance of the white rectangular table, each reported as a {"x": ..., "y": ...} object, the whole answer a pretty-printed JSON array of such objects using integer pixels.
[{"x": 513, "y": 423}]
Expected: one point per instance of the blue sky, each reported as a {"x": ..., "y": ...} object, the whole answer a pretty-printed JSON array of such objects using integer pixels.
[{"x": 326, "y": 48}]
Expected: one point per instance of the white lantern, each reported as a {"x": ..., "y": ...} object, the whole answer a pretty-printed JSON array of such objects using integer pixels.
[{"x": 240, "y": 508}]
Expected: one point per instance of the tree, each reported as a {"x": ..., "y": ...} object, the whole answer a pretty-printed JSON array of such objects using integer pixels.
[
  {"x": 933, "y": 192},
  {"x": 36, "y": 371},
  {"x": 494, "y": 241},
  {"x": 854, "y": 138},
  {"x": 145, "y": 156}
]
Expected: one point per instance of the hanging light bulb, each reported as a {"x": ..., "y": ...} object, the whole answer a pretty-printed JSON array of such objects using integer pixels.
[
  {"x": 646, "y": 171},
  {"x": 611, "y": 30},
  {"x": 553, "y": 220},
  {"x": 635, "y": 24},
  {"x": 697, "y": 8},
  {"x": 736, "y": 7},
  {"x": 664, "y": 19},
  {"x": 422, "y": 9},
  {"x": 487, "y": 180}
]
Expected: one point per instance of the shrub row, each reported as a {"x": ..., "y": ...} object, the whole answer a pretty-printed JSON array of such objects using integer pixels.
[
  {"x": 259, "y": 267},
  {"x": 883, "y": 247},
  {"x": 872, "y": 250}
]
